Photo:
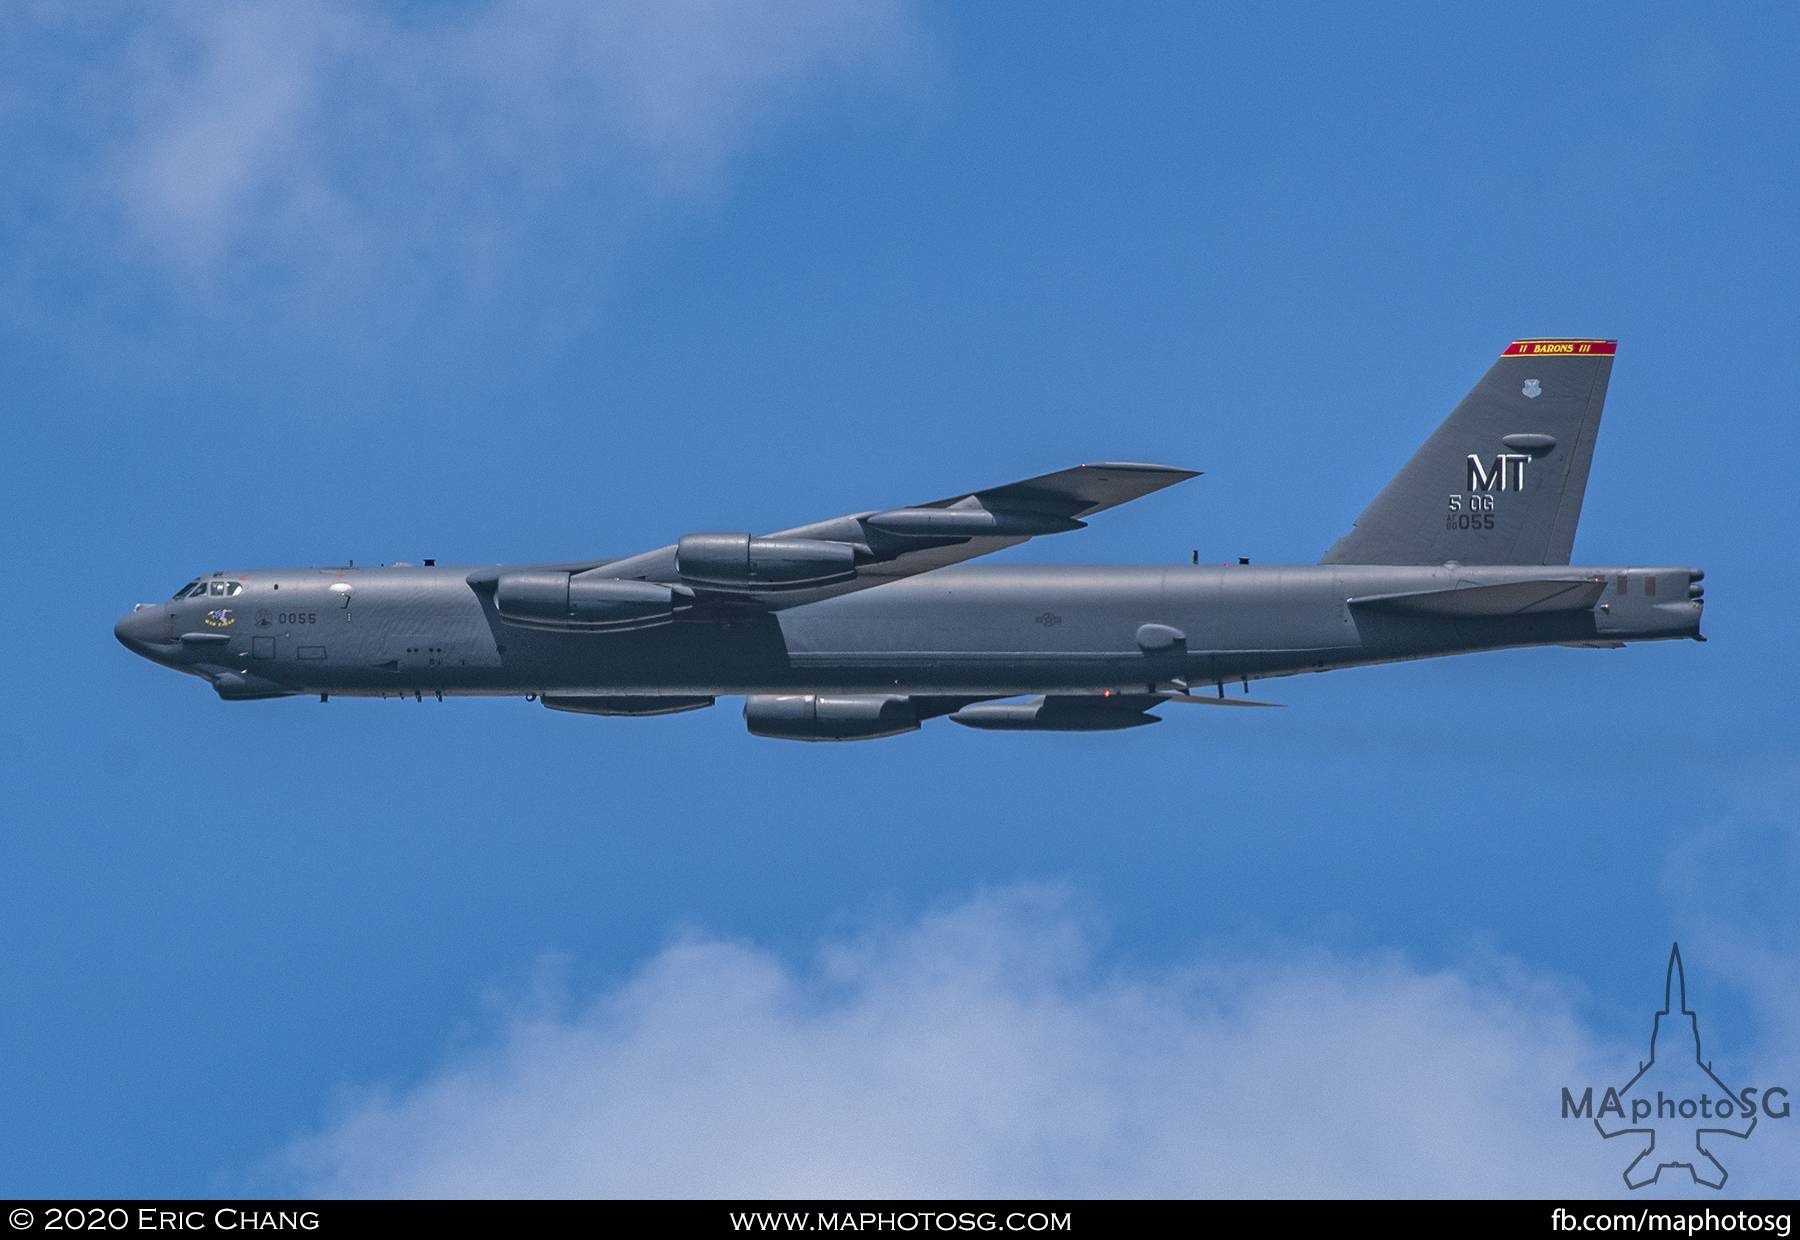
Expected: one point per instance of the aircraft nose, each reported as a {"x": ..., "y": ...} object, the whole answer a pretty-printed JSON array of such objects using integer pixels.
[{"x": 137, "y": 630}]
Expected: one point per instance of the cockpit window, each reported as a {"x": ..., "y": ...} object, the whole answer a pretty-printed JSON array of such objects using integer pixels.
[{"x": 203, "y": 587}]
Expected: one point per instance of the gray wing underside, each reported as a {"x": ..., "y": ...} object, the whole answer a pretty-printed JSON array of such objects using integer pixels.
[{"x": 1048, "y": 503}]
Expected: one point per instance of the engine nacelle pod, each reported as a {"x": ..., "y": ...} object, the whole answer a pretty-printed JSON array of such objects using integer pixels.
[
  {"x": 562, "y": 601},
  {"x": 738, "y": 562},
  {"x": 829, "y": 717}
]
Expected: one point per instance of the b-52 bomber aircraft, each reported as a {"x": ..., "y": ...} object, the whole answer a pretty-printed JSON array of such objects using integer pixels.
[{"x": 861, "y": 626}]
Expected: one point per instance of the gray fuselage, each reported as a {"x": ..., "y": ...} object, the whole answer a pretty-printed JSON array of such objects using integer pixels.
[{"x": 971, "y": 630}]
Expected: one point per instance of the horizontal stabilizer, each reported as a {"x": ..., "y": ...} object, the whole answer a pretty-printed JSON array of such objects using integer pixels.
[{"x": 1512, "y": 598}]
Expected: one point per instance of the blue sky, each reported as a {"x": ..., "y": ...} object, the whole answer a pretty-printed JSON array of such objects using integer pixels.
[{"x": 502, "y": 281}]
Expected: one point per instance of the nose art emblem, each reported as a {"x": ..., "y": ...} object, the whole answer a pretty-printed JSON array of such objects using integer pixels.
[{"x": 220, "y": 618}]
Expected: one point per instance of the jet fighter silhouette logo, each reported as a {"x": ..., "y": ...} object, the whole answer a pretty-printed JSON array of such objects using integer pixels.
[{"x": 1675, "y": 1103}]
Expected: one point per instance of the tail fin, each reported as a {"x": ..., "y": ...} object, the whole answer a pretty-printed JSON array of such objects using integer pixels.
[{"x": 1501, "y": 481}]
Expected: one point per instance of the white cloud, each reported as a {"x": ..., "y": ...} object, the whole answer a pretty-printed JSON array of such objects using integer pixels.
[
  {"x": 330, "y": 152},
  {"x": 988, "y": 1050},
  {"x": 230, "y": 100}
]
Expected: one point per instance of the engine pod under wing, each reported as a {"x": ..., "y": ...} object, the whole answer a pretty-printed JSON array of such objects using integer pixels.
[
  {"x": 567, "y": 602},
  {"x": 740, "y": 563},
  {"x": 829, "y": 717}
]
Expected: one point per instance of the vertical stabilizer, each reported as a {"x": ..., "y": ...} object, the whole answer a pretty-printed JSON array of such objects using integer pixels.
[{"x": 1501, "y": 480}]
